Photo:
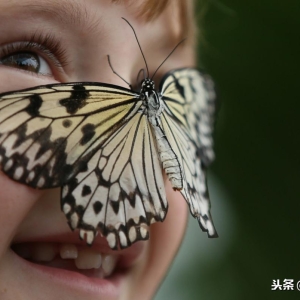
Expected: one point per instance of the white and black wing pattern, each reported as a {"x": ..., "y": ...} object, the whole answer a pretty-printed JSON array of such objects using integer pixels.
[
  {"x": 48, "y": 133},
  {"x": 103, "y": 144},
  {"x": 122, "y": 190},
  {"x": 94, "y": 141},
  {"x": 188, "y": 121}
]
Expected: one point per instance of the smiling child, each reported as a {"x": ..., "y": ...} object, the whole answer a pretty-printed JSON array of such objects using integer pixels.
[{"x": 44, "y": 42}]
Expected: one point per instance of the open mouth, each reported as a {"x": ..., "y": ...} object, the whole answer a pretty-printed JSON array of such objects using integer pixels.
[
  {"x": 78, "y": 258},
  {"x": 71, "y": 262}
]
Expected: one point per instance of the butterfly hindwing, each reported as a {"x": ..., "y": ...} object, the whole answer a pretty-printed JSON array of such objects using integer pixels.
[
  {"x": 122, "y": 191},
  {"x": 188, "y": 124}
]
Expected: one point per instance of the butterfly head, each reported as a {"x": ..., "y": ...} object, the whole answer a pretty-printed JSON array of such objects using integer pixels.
[
  {"x": 148, "y": 85},
  {"x": 151, "y": 97}
]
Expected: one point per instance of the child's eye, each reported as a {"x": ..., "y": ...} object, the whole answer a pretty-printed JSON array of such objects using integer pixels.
[
  {"x": 27, "y": 61},
  {"x": 40, "y": 54}
]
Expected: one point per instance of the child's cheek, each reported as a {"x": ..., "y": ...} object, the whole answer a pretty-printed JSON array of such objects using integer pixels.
[
  {"x": 165, "y": 239},
  {"x": 14, "y": 79},
  {"x": 16, "y": 200}
]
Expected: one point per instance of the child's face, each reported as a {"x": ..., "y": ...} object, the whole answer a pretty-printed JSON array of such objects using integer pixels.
[{"x": 87, "y": 31}]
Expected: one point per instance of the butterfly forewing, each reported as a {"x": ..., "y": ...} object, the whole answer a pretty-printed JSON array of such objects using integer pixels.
[
  {"x": 45, "y": 131},
  {"x": 190, "y": 98}
]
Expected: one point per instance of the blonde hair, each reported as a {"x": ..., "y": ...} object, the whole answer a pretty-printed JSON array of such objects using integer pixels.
[{"x": 151, "y": 9}]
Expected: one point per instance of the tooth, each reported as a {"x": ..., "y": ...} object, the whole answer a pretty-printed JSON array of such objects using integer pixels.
[
  {"x": 108, "y": 264},
  {"x": 88, "y": 259},
  {"x": 43, "y": 252},
  {"x": 68, "y": 251}
]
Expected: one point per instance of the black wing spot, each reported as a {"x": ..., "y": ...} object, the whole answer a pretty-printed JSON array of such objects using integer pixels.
[
  {"x": 131, "y": 198},
  {"x": 86, "y": 190},
  {"x": 77, "y": 99},
  {"x": 115, "y": 205},
  {"x": 97, "y": 207},
  {"x": 205, "y": 217},
  {"x": 82, "y": 166},
  {"x": 179, "y": 88},
  {"x": 66, "y": 171},
  {"x": 34, "y": 106},
  {"x": 88, "y": 131},
  {"x": 67, "y": 123}
]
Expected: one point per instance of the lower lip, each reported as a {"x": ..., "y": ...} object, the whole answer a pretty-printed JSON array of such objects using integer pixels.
[{"x": 75, "y": 282}]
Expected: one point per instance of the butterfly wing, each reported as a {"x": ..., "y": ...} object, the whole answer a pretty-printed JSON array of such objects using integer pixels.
[
  {"x": 46, "y": 131},
  {"x": 188, "y": 124},
  {"x": 94, "y": 141},
  {"x": 122, "y": 191}
]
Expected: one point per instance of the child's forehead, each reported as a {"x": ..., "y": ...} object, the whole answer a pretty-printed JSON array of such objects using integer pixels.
[
  {"x": 77, "y": 10},
  {"x": 148, "y": 9}
]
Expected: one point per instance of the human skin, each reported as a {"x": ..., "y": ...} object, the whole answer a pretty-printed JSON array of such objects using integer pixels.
[{"x": 33, "y": 215}]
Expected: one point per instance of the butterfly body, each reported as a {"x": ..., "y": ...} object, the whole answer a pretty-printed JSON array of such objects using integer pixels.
[
  {"x": 107, "y": 147},
  {"x": 154, "y": 107}
]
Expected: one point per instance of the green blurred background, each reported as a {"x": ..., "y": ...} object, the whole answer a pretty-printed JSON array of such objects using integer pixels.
[{"x": 252, "y": 49}]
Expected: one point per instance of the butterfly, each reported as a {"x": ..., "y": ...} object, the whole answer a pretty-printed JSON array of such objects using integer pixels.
[{"x": 107, "y": 147}]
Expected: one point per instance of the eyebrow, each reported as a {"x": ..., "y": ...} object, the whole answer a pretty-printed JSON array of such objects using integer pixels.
[{"x": 68, "y": 12}]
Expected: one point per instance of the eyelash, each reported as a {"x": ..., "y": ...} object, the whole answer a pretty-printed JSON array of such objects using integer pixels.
[{"x": 46, "y": 45}]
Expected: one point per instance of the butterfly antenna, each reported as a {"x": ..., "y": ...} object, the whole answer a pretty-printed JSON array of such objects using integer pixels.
[
  {"x": 108, "y": 58},
  {"x": 139, "y": 45},
  {"x": 167, "y": 57},
  {"x": 139, "y": 73}
]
